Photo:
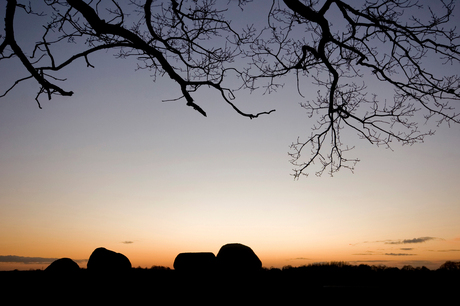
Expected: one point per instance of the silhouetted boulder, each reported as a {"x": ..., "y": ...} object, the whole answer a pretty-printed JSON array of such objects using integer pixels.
[
  {"x": 103, "y": 260},
  {"x": 63, "y": 266},
  {"x": 236, "y": 257},
  {"x": 194, "y": 262}
]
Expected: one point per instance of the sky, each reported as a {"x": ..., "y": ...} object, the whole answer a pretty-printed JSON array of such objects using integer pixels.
[{"x": 113, "y": 166}]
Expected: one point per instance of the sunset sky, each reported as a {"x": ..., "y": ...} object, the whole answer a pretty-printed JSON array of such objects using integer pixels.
[{"x": 113, "y": 166}]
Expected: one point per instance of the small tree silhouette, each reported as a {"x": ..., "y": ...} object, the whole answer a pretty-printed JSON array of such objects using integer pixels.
[{"x": 451, "y": 266}]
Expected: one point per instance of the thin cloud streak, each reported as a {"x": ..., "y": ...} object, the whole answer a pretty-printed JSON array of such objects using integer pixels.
[
  {"x": 368, "y": 253},
  {"x": 404, "y": 241},
  {"x": 298, "y": 258},
  {"x": 414, "y": 240},
  {"x": 399, "y": 254},
  {"x": 31, "y": 260},
  {"x": 364, "y": 254}
]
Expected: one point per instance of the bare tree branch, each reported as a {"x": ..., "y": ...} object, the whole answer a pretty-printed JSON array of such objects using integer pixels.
[
  {"x": 378, "y": 39},
  {"x": 195, "y": 44}
]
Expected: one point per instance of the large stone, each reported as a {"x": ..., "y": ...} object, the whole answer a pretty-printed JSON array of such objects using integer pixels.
[
  {"x": 63, "y": 266},
  {"x": 195, "y": 262},
  {"x": 103, "y": 260},
  {"x": 236, "y": 257}
]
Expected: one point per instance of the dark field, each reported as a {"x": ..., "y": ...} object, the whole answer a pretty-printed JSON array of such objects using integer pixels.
[{"x": 311, "y": 285}]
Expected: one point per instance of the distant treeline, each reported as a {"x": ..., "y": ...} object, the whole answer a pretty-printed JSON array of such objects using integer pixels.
[
  {"x": 337, "y": 274},
  {"x": 345, "y": 274},
  {"x": 451, "y": 266}
]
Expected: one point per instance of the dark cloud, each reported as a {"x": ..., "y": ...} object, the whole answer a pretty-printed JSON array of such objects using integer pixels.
[
  {"x": 414, "y": 240},
  {"x": 406, "y": 249},
  {"x": 127, "y": 242},
  {"x": 451, "y": 250},
  {"x": 31, "y": 260},
  {"x": 399, "y": 254}
]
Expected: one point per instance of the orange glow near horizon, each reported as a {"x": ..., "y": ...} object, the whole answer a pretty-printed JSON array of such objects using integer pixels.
[{"x": 155, "y": 257}]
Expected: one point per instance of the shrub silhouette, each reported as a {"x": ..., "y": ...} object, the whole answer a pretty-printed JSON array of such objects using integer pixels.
[{"x": 451, "y": 266}]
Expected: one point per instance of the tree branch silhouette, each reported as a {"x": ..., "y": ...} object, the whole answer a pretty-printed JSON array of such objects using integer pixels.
[
  {"x": 381, "y": 40},
  {"x": 337, "y": 46}
]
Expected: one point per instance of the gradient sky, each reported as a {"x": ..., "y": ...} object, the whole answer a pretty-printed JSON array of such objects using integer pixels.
[{"x": 113, "y": 166}]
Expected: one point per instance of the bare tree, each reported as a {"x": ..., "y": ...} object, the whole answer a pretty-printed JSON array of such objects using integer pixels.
[{"x": 194, "y": 43}]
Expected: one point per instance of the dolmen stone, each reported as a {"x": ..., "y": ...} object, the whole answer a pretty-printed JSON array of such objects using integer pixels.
[
  {"x": 195, "y": 262},
  {"x": 63, "y": 266},
  {"x": 236, "y": 257},
  {"x": 103, "y": 260}
]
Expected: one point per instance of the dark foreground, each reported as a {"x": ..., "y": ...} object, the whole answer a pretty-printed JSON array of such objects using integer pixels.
[{"x": 294, "y": 286}]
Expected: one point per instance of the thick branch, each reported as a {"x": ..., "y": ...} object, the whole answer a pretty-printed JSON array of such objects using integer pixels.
[{"x": 10, "y": 40}]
